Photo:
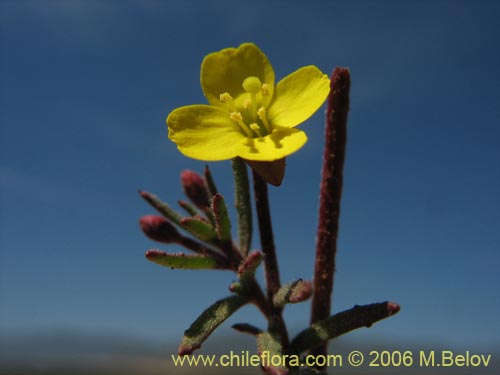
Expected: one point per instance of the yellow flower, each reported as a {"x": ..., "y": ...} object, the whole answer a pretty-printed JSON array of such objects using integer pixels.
[{"x": 248, "y": 115}]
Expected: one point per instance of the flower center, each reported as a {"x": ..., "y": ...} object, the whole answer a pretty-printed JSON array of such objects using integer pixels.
[{"x": 249, "y": 110}]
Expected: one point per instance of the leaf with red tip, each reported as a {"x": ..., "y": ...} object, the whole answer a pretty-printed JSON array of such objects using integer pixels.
[
  {"x": 183, "y": 261},
  {"x": 298, "y": 291},
  {"x": 247, "y": 268},
  {"x": 359, "y": 316},
  {"x": 208, "y": 321}
]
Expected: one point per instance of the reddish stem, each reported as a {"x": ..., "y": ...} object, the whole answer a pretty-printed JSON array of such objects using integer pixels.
[{"x": 331, "y": 189}]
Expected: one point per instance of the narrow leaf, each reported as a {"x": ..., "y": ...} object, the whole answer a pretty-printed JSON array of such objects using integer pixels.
[
  {"x": 208, "y": 321},
  {"x": 247, "y": 269},
  {"x": 188, "y": 207},
  {"x": 162, "y": 207},
  {"x": 183, "y": 261},
  {"x": 246, "y": 328},
  {"x": 210, "y": 216},
  {"x": 295, "y": 292},
  {"x": 212, "y": 189},
  {"x": 359, "y": 316},
  {"x": 222, "y": 220},
  {"x": 199, "y": 228},
  {"x": 242, "y": 203}
]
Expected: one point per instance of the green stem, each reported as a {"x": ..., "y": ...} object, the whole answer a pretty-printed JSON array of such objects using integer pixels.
[{"x": 243, "y": 205}]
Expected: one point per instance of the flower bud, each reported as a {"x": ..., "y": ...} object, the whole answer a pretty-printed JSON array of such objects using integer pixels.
[
  {"x": 195, "y": 188},
  {"x": 159, "y": 229}
]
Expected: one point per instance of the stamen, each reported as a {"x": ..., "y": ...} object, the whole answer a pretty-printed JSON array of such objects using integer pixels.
[
  {"x": 246, "y": 103},
  {"x": 256, "y": 128},
  {"x": 265, "y": 89},
  {"x": 262, "y": 115},
  {"x": 225, "y": 98},
  {"x": 236, "y": 116}
]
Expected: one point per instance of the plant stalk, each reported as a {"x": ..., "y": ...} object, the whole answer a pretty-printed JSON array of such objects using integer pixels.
[
  {"x": 331, "y": 190},
  {"x": 276, "y": 322}
]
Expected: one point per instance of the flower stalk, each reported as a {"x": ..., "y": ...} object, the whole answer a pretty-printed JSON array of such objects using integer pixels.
[
  {"x": 271, "y": 269},
  {"x": 243, "y": 206}
]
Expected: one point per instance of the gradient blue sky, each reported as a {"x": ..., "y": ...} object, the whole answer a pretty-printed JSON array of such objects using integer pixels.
[{"x": 85, "y": 90}]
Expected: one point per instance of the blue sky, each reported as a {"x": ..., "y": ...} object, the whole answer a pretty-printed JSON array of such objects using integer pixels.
[{"x": 85, "y": 90}]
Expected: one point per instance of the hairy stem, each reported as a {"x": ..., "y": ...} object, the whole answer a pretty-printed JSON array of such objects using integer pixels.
[
  {"x": 243, "y": 206},
  {"x": 266, "y": 236},
  {"x": 331, "y": 189},
  {"x": 276, "y": 322}
]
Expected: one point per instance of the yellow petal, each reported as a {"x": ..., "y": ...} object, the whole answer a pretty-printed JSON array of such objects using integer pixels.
[
  {"x": 298, "y": 96},
  {"x": 204, "y": 132},
  {"x": 280, "y": 143},
  {"x": 225, "y": 71}
]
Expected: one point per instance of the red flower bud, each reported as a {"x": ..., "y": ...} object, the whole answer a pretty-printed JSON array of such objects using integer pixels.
[
  {"x": 159, "y": 229},
  {"x": 195, "y": 188}
]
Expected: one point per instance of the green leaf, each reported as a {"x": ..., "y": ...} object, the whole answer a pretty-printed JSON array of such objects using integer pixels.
[
  {"x": 359, "y": 316},
  {"x": 237, "y": 287},
  {"x": 269, "y": 346},
  {"x": 247, "y": 328},
  {"x": 188, "y": 207},
  {"x": 208, "y": 321},
  {"x": 222, "y": 220},
  {"x": 161, "y": 207},
  {"x": 199, "y": 228},
  {"x": 183, "y": 261},
  {"x": 298, "y": 291},
  {"x": 210, "y": 216},
  {"x": 243, "y": 206}
]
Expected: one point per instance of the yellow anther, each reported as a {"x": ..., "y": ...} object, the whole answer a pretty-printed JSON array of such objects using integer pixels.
[
  {"x": 256, "y": 128},
  {"x": 236, "y": 116},
  {"x": 246, "y": 103},
  {"x": 252, "y": 85},
  {"x": 265, "y": 89},
  {"x": 262, "y": 115},
  {"x": 261, "y": 112},
  {"x": 225, "y": 97}
]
